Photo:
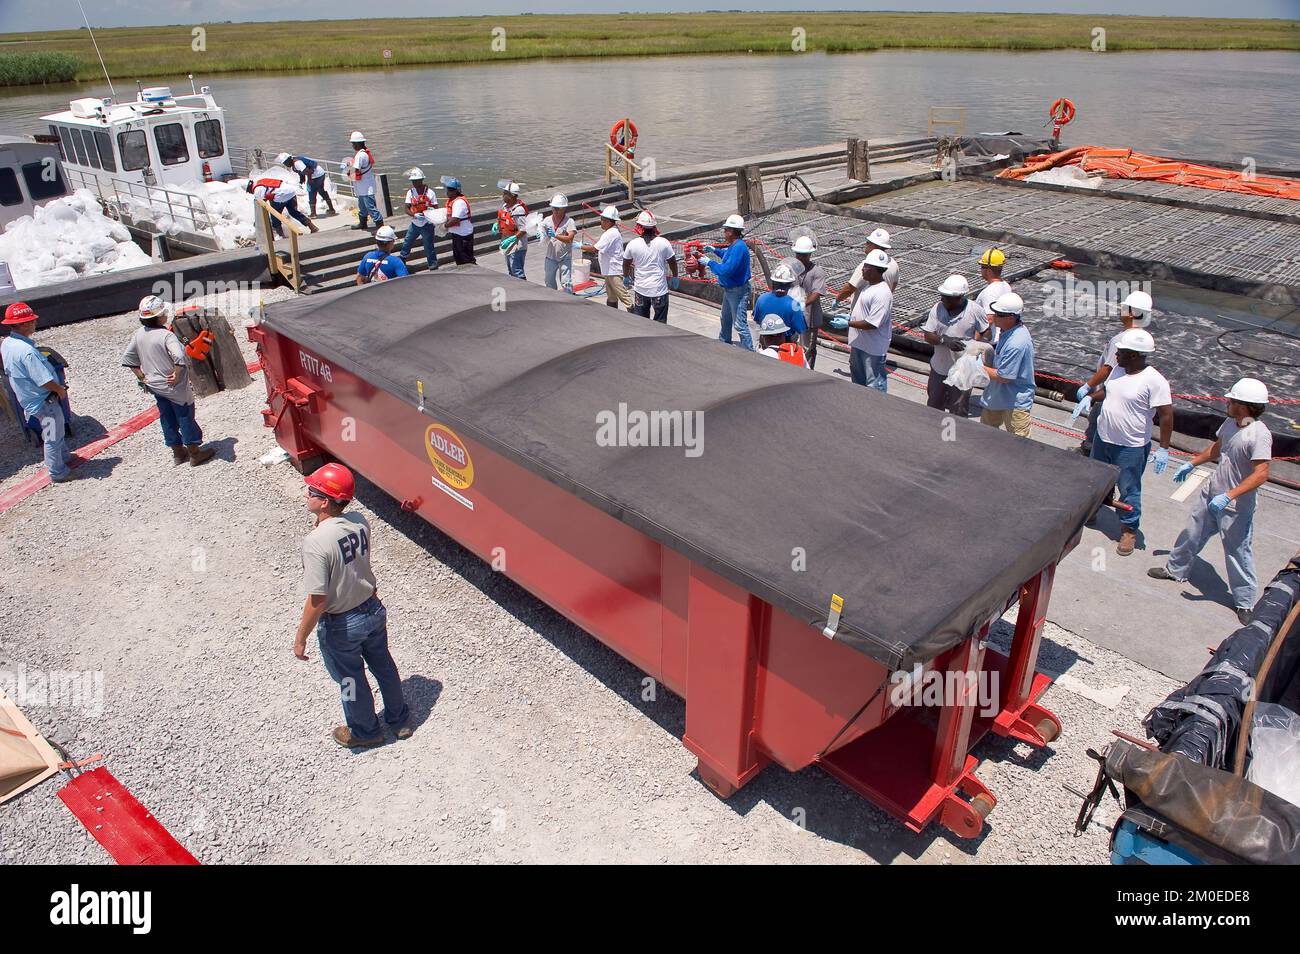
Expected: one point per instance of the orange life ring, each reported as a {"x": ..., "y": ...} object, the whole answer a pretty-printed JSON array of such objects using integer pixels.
[
  {"x": 616, "y": 136},
  {"x": 1062, "y": 111}
]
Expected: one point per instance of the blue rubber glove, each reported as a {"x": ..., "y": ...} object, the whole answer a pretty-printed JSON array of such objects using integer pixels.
[
  {"x": 1220, "y": 503},
  {"x": 1085, "y": 403},
  {"x": 674, "y": 283},
  {"x": 550, "y": 232},
  {"x": 496, "y": 228},
  {"x": 1082, "y": 393},
  {"x": 1161, "y": 457},
  {"x": 1183, "y": 473}
]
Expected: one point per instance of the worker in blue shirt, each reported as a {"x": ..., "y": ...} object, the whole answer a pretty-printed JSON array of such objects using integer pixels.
[
  {"x": 733, "y": 278},
  {"x": 36, "y": 386},
  {"x": 381, "y": 264},
  {"x": 1010, "y": 395},
  {"x": 778, "y": 302}
]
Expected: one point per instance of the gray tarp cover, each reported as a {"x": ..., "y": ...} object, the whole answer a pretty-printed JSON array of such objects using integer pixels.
[{"x": 923, "y": 537}]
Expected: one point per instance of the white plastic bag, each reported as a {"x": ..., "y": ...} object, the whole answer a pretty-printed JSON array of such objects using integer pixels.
[
  {"x": 968, "y": 370},
  {"x": 1275, "y": 751}
]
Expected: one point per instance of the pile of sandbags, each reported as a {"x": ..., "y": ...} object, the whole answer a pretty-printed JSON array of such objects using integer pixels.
[{"x": 67, "y": 239}]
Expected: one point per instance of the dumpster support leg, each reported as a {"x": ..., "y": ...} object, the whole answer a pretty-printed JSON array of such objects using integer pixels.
[
  {"x": 952, "y": 767},
  {"x": 1020, "y": 717},
  {"x": 722, "y": 676}
]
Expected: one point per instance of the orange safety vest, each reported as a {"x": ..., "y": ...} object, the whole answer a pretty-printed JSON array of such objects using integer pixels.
[
  {"x": 369, "y": 155},
  {"x": 270, "y": 185},
  {"x": 422, "y": 201},
  {"x": 506, "y": 223},
  {"x": 791, "y": 353},
  {"x": 468, "y": 211}
]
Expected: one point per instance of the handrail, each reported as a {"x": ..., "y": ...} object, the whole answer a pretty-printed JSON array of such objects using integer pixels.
[
  {"x": 192, "y": 208},
  {"x": 620, "y": 165},
  {"x": 293, "y": 272}
]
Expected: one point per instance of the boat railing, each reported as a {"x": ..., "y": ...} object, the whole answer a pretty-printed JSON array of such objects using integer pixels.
[
  {"x": 140, "y": 205},
  {"x": 244, "y": 160}
]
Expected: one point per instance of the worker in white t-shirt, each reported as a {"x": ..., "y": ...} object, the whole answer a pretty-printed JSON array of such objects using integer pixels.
[
  {"x": 871, "y": 325},
  {"x": 361, "y": 168},
  {"x": 1133, "y": 394},
  {"x": 509, "y": 227},
  {"x": 651, "y": 263},
  {"x": 878, "y": 241},
  {"x": 991, "y": 263},
  {"x": 314, "y": 176},
  {"x": 460, "y": 224},
  {"x": 608, "y": 250},
  {"x": 420, "y": 200},
  {"x": 558, "y": 230},
  {"x": 1135, "y": 312},
  {"x": 1243, "y": 448}
]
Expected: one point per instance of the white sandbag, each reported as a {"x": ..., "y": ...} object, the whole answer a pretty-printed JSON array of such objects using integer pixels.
[
  {"x": 968, "y": 370},
  {"x": 1275, "y": 751}
]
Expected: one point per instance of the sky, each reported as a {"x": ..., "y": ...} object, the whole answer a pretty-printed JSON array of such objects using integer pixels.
[{"x": 30, "y": 15}]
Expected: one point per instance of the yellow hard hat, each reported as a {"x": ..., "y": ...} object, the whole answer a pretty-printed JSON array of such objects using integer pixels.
[{"x": 994, "y": 258}]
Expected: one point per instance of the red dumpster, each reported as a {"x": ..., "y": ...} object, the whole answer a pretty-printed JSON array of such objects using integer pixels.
[{"x": 786, "y": 552}]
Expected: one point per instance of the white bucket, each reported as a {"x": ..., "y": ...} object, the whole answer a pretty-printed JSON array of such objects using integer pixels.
[{"x": 581, "y": 271}]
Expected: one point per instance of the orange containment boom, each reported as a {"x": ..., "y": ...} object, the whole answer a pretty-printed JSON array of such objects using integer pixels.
[{"x": 1127, "y": 164}]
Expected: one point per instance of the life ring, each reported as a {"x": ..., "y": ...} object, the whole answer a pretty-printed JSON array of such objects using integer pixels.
[
  {"x": 1062, "y": 111},
  {"x": 616, "y": 136}
]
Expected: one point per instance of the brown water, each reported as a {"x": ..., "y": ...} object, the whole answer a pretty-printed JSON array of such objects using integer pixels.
[{"x": 543, "y": 122}]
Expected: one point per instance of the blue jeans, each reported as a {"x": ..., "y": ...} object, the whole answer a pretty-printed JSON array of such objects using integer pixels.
[
  {"x": 515, "y": 260},
  {"x": 347, "y": 640},
  {"x": 316, "y": 190},
  {"x": 559, "y": 273},
  {"x": 1237, "y": 526},
  {"x": 868, "y": 369},
  {"x": 425, "y": 234},
  {"x": 290, "y": 209},
  {"x": 641, "y": 305},
  {"x": 367, "y": 209},
  {"x": 178, "y": 423},
  {"x": 1131, "y": 461},
  {"x": 54, "y": 438},
  {"x": 735, "y": 311}
]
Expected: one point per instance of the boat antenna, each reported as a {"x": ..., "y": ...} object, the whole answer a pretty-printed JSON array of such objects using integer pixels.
[{"x": 97, "y": 53}]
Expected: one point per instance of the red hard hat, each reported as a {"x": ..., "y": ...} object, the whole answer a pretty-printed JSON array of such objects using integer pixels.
[
  {"x": 19, "y": 313},
  {"x": 334, "y": 481}
]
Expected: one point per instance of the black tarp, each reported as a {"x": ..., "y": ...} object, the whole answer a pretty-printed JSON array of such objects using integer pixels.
[{"x": 805, "y": 487}]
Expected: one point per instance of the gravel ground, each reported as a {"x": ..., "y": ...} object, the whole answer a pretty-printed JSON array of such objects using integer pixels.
[{"x": 532, "y": 741}]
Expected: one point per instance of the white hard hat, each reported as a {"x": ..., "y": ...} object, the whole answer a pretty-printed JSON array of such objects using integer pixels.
[
  {"x": 357, "y": 136},
  {"x": 1136, "y": 339},
  {"x": 734, "y": 222},
  {"x": 804, "y": 245},
  {"x": 512, "y": 187},
  {"x": 1008, "y": 303},
  {"x": 151, "y": 306},
  {"x": 1139, "y": 305},
  {"x": 646, "y": 219},
  {"x": 782, "y": 275},
  {"x": 385, "y": 233},
  {"x": 415, "y": 173},
  {"x": 559, "y": 201},
  {"x": 954, "y": 285},
  {"x": 879, "y": 238},
  {"x": 1249, "y": 391},
  {"x": 877, "y": 258},
  {"x": 282, "y": 158},
  {"x": 610, "y": 212},
  {"x": 773, "y": 325}
]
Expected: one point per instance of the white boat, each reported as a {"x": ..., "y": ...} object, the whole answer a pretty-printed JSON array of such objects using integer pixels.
[
  {"x": 157, "y": 140},
  {"x": 30, "y": 175}
]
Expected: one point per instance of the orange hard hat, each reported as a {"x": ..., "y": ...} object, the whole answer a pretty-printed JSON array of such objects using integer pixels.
[
  {"x": 19, "y": 313},
  {"x": 334, "y": 481}
]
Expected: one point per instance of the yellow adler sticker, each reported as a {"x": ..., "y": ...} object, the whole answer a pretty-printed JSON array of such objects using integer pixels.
[{"x": 449, "y": 456}]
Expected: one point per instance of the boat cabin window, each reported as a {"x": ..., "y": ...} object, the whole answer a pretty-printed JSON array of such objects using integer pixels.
[
  {"x": 105, "y": 147},
  {"x": 54, "y": 131},
  {"x": 65, "y": 140},
  {"x": 78, "y": 146},
  {"x": 134, "y": 149},
  {"x": 207, "y": 133},
  {"x": 88, "y": 141},
  {"x": 172, "y": 148},
  {"x": 44, "y": 180},
  {"x": 10, "y": 194}
]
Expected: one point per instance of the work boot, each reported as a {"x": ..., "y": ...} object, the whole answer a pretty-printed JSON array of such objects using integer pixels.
[
  {"x": 199, "y": 454},
  {"x": 403, "y": 731},
  {"x": 179, "y": 454},
  {"x": 1127, "y": 541},
  {"x": 1160, "y": 573},
  {"x": 344, "y": 737},
  {"x": 1244, "y": 615},
  {"x": 312, "y": 227}
]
